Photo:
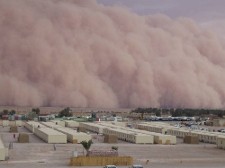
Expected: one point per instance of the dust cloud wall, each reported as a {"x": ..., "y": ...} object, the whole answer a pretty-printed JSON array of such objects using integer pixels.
[{"x": 83, "y": 54}]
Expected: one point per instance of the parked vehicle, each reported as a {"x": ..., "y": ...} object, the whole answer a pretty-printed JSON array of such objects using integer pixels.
[
  {"x": 221, "y": 130},
  {"x": 110, "y": 166},
  {"x": 137, "y": 166}
]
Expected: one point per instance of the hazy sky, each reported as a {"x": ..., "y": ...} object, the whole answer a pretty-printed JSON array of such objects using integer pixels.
[
  {"x": 209, "y": 14},
  {"x": 199, "y": 10}
]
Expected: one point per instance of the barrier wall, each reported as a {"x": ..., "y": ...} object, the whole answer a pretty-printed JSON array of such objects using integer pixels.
[{"x": 101, "y": 161}]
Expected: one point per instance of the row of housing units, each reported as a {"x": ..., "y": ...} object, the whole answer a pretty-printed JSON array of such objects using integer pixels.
[
  {"x": 127, "y": 134},
  {"x": 203, "y": 136},
  {"x": 64, "y": 123},
  {"x": 52, "y": 132},
  {"x": 6, "y": 123}
]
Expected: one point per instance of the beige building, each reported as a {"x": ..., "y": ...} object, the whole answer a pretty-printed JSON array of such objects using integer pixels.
[
  {"x": 219, "y": 122},
  {"x": 3, "y": 151},
  {"x": 47, "y": 134},
  {"x": 220, "y": 142}
]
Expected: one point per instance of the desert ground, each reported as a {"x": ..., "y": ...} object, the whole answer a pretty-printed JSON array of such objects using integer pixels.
[{"x": 38, "y": 154}]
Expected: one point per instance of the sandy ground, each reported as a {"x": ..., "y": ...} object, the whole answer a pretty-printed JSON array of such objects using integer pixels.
[{"x": 38, "y": 154}]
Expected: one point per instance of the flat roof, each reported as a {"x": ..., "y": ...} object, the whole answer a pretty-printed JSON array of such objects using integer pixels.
[
  {"x": 70, "y": 131},
  {"x": 50, "y": 131}
]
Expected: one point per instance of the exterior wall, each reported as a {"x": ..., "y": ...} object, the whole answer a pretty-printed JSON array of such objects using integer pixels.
[
  {"x": 158, "y": 137},
  {"x": 204, "y": 136},
  {"x": 52, "y": 125},
  {"x": 57, "y": 139},
  {"x": 3, "y": 151},
  {"x": 180, "y": 133},
  {"x": 218, "y": 122},
  {"x": 41, "y": 135},
  {"x": 151, "y": 128},
  {"x": 123, "y": 124},
  {"x": 222, "y": 122},
  {"x": 31, "y": 125},
  {"x": 81, "y": 137},
  {"x": 5, "y": 123},
  {"x": 50, "y": 136},
  {"x": 221, "y": 142},
  {"x": 18, "y": 123},
  {"x": 72, "y": 135},
  {"x": 45, "y": 133},
  {"x": 72, "y": 124},
  {"x": 166, "y": 140},
  {"x": 130, "y": 136},
  {"x": 92, "y": 127},
  {"x": 101, "y": 161},
  {"x": 61, "y": 123},
  {"x": 143, "y": 139}
]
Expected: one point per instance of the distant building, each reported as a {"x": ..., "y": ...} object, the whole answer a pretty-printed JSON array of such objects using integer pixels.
[{"x": 218, "y": 122}]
